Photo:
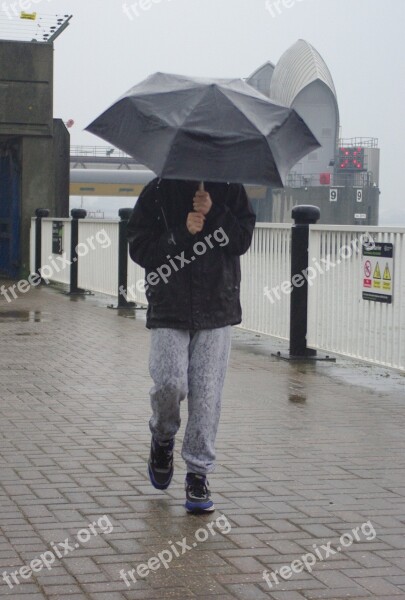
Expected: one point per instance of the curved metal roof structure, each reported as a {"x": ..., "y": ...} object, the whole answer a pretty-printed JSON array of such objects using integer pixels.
[
  {"x": 261, "y": 78},
  {"x": 299, "y": 66}
]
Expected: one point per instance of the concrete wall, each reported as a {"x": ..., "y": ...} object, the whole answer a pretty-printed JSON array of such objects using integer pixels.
[
  {"x": 26, "y": 114},
  {"x": 372, "y": 160},
  {"x": 36, "y": 188},
  {"x": 61, "y": 159},
  {"x": 341, "y": 212},
  {"x": 44, "y": 181},
  {"x": 26, "y": 88}
]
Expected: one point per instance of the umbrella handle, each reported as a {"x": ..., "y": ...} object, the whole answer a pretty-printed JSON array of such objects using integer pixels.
[{"x": 201, "y": 186}]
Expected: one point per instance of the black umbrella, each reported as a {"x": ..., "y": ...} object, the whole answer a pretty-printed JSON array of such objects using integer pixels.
[{"x": 200, "y": 129}]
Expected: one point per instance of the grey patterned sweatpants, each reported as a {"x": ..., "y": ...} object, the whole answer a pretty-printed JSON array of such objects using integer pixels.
[{"x": 189, "y": 363}]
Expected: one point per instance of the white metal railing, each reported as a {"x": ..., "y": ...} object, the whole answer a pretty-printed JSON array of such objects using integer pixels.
[
  {"x": 339, "y": 320},
  {"x": 54, "y": 270},
  {"x": 60, "y": 272},
  {"x": 32, "y": 246},
  {"x": 267, "y": 265},
  {"x": 98, "y": 256},
  {"x": 97, "y": 151}
]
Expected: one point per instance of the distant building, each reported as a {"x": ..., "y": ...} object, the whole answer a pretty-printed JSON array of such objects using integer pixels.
[{"x": 346, "y": 172}]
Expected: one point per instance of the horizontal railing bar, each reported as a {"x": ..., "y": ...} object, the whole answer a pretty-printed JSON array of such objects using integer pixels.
[{"x": 368, "y": 228}]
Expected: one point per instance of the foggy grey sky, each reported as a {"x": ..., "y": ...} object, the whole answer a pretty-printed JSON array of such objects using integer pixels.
[{"x": 103, "y": 53}]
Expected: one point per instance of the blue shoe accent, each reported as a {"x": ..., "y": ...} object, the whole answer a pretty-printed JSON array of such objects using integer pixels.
[
  {"x": 156, "y": 484},
  {"x": 198, "y": 494},
  {"x": 199, "y": 506}
]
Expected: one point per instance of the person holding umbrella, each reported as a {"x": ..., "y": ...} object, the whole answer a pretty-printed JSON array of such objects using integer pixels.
[
  {"x": 190, "y": 314},
  {"x": 189, "y": 240}
]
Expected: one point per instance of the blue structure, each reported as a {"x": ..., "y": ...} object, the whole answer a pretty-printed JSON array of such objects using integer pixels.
[{"x": 9, "y": 212}]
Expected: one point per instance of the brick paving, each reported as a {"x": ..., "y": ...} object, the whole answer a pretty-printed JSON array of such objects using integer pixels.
[{"x": 306, "y": 453}]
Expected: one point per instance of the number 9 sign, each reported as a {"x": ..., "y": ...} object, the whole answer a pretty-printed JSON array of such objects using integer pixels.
[{"x": 333, "y": 195}]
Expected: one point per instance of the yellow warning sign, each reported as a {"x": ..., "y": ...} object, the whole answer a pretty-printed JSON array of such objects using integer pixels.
[
  {"x": 30, "y": 16},
  {"x": 378, "y": 272}
]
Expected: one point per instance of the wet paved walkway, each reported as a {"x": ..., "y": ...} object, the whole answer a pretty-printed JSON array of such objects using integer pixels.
[{"x": 306, "y": 453}]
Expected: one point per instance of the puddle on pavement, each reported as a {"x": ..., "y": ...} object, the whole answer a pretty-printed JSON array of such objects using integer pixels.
[
  {"x": 8, "y": 316},
  {"x": 28, "y": 334},
  {"x": 127, "y": 313},
  {"x": 296, "y": 392},
  {"x": 77, "y": 297},
  {"x": 130, "y": 313},
  {"x": 297, "y": 399}
]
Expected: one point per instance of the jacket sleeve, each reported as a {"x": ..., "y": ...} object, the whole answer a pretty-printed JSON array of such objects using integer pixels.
[
  {"x": 148, "y": 246},
  {"x": 236, "y": 218}
]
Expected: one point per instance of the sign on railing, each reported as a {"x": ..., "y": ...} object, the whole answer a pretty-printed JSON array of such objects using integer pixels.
[
  {"x": 378, "y": 271},
  {"x": 357, "y": 299}
]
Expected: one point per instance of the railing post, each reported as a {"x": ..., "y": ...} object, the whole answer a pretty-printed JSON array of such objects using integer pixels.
[
  {"x": 40, "y": 213},
  {"x": 303, "y": 216},
  {"x": 124, "y": 214},
  {"x": 76, "y": 214}
]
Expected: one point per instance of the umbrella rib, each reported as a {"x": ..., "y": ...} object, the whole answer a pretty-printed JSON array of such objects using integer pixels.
[
  {"x": 243, "y": 113},
  {"x": 271, "y": 134},
  {"x": 246, "y": 117},
  {"x": 168, "y": 154},
  {"x": 178, "y": 128}
]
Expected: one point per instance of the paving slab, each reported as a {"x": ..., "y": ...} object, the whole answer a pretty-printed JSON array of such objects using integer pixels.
[{"x": 309, "y": 487}]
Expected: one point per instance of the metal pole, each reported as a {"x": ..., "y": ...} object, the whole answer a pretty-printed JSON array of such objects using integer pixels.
[
  {"x": 76, "y": 213},
  {"x": 124, "y": 214},
  {"x": 40, "y": 213},
  {"x": 303, "y": 216}
]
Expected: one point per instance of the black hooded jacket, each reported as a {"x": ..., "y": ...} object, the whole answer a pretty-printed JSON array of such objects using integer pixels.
[{"x": 192, "y": 281}]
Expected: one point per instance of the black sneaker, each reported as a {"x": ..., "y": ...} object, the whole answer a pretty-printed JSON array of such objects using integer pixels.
[
  {"x": 198, "y": 495},
  {"x": 160, "y": 465}
]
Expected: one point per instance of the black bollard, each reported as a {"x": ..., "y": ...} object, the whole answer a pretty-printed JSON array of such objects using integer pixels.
[
  {"x": 40, "y": 213},
  {"x": 76, "y": 214},
  {"x": 303, "y": 216},
  {"x": 124, "y": 214}
]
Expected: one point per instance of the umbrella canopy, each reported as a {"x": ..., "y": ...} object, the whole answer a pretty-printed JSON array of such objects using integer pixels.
[{"x": 200, "y": 129}]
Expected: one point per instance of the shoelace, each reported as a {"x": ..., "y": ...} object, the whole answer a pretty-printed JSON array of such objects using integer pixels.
[
  {"x": 163, "y": 455},
  {"x": 198, "y": 488}
]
